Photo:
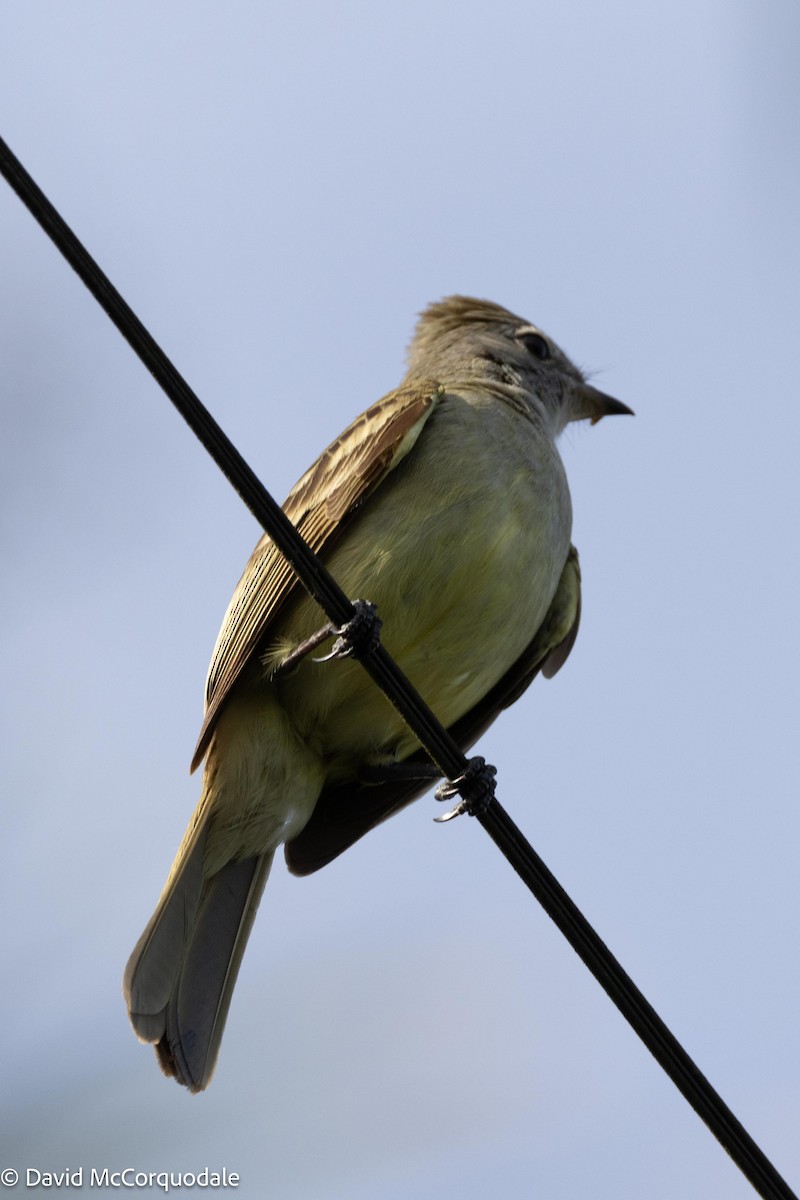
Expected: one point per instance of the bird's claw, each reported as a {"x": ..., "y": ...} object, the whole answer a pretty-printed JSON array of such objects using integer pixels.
[
  {"x": 476, "y": 787},
  {"x": 359, "y": 636}
]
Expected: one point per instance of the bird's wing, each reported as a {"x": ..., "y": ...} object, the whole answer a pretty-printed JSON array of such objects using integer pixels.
[
  {"x": 318, "y": 505},
  {"x": 346, "y": 811}
]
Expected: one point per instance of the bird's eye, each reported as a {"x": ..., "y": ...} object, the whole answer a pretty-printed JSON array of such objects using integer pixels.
[{"x": 536, "y": 345}]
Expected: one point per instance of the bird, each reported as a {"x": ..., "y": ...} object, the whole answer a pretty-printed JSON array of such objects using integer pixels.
[{"x": 445, "y": 503}]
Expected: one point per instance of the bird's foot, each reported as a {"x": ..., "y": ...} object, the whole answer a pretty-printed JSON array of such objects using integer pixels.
[
  {"x": 357, "y": 638},
  {"x": 476, "y": 787}
]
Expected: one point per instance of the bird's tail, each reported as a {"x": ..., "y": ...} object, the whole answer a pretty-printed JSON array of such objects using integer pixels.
[{"x": 180, "y": 977}]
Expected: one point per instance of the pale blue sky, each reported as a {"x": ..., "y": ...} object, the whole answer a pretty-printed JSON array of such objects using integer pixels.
[{"x": 277, "y": 190}]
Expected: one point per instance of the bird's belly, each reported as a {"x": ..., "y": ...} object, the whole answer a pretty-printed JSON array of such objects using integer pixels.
[{"x": 462, "y": 585}]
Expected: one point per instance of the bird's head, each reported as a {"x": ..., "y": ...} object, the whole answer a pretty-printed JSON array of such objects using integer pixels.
[{"x": 461, "y": 341}]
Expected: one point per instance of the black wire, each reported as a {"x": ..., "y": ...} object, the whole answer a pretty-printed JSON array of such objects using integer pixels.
[
  {"x": 635, "y": 1007},
  {"x": 314, "y": 576},
  {"x": 434, "y": 737}
]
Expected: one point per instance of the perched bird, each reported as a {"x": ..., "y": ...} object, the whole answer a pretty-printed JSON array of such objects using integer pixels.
[{"x": 447, "y": 505}]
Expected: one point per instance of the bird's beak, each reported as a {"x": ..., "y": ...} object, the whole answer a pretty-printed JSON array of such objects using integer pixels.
[{"x": 596, "y": 405}]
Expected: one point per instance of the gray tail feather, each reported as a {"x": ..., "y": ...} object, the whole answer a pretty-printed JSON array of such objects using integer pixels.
[{"x": 180, "y": 977}]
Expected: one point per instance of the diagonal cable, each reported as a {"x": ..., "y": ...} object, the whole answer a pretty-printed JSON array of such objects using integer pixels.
[{"x": 609, "y": 973}]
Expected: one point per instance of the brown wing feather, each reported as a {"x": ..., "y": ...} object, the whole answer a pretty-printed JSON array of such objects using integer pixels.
[
  {"x": 318, "y": 505},
  {"x": 346, "y": 812}
]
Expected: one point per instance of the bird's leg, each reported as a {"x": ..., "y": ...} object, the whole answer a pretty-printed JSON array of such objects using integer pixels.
[
  {"x": 357, "y": 638},
  {"x": 398, "y": 772},
  {"x": 304, "y": 648},
  {"x": 475, "y": 787}
]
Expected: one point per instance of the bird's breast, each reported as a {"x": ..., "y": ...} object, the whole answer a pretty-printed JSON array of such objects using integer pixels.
[{"x": 461, "y": 548}]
